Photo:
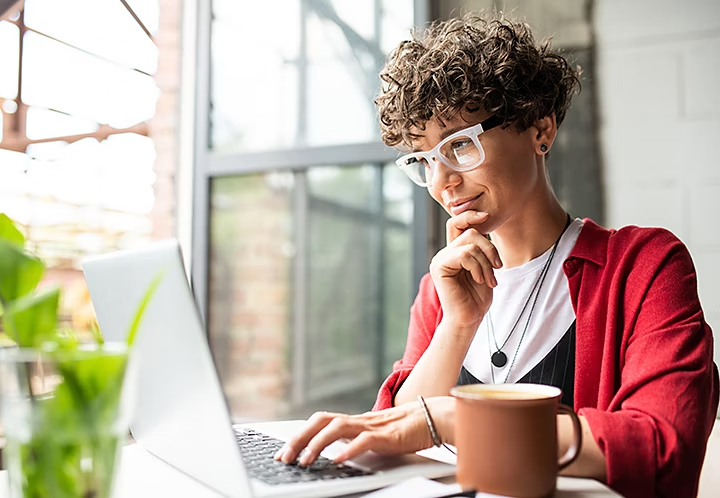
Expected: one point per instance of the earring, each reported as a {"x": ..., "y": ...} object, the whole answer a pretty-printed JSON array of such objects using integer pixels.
[{"x": 543, "y": 148}]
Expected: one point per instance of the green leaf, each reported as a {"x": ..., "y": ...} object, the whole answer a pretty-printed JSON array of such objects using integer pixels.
[
  {"x": 97, "y": 335},
  {"x": 19, "y": 272},
  {"x": 143, "y": 304},
  {"x": 32, "y": 320},
  {"x": 9, "y": 232}
]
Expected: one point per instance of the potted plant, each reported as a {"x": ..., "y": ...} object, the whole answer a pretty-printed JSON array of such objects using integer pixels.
[{"x": 61, "y": 397}]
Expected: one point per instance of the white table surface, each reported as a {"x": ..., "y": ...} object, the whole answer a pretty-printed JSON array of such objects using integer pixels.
[{"x": 142, "y": 475}]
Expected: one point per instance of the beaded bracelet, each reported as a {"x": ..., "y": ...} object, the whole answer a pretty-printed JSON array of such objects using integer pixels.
[{"x": 431, "y": 425}]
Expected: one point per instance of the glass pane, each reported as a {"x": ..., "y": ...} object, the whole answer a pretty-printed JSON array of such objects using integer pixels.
[
  {"x": 343, "y": 328},
  {"x": 9, "y": 59},
  {"x": 396, "y": 23},
  {"x": 80, "y": 199},
  {"x": 67, "y": 80},
  {"x": 43, "y": 123},
  {"x": 101, "y": 27},
  {"x": 148, "y": 12},
  {"x": 250, "y": 291},
  {"x": 398, "y": 293},
  {"x": 397, "y": 193},
  {"x": 344, "y": 185},
  {"x": 13, "y": 184},
  {"x": 314, "y": 85},
  {"x": 269, "y": 118},
  {"x": 353, "y": 319},
  {"x": 115, "y": 174}
]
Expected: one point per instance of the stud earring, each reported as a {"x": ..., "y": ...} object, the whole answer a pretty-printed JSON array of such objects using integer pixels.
[{"x": 543, "y": 148}]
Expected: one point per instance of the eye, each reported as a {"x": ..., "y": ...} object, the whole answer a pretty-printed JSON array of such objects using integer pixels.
[
  {"x": 461, "y": 144},
  {"x": 415, "y": 160}
]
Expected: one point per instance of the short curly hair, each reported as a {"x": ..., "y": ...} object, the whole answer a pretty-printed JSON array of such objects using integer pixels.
[{"x": 468, "y": 64}]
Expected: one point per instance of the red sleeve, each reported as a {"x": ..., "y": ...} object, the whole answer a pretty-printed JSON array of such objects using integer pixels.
[
  {"x": 655, "y": 430},
  {"x": 425, "y": 314}
]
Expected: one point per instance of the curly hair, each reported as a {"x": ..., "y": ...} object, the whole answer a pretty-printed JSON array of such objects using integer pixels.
[{"x": 468, "y": 64}]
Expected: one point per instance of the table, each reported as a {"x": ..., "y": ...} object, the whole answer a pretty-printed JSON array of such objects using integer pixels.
[{"x": 142, "y": 475}]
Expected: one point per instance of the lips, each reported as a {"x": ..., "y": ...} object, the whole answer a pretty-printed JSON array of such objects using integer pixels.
[{"x": 462, "y": 205}]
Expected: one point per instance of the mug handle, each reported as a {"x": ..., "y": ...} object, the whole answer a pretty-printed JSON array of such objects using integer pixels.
[{"x": 574, "y": 450}]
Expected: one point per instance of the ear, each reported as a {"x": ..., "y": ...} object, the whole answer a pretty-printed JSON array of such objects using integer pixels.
[{"x": 544, "y": 133}]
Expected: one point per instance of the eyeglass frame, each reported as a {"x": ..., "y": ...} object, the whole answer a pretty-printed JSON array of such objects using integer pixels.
[{"x": 432, "y": 156}]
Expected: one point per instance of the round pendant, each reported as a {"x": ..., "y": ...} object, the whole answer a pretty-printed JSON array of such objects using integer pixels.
[{"x": 499, "y": 359}]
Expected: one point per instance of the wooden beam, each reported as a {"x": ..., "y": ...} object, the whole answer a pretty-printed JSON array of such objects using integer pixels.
[{"x": 20, "y": 143}]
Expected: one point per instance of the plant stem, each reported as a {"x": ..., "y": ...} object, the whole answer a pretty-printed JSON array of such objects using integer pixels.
[{"x": 7, "y": 316}]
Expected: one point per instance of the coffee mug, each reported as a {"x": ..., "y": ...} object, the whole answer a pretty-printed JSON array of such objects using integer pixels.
[{"x": 506, "y": 438}]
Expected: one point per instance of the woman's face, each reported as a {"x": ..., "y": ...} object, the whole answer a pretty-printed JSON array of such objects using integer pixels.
[{"x": 501, "y": 185}]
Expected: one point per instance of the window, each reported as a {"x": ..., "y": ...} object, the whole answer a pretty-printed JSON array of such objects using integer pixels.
[
  {"x": 304, "y": 74},
  {"x": 309, "y": 287},
  {"x": 311, "y": 225},
  {"x": 78, "y": 156}
]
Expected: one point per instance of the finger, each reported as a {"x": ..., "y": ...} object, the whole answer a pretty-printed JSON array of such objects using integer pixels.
[
  {"x": 469, "y": 260},
  {"x": 482, "y": 270},
  {"x": 292, "y": 448},
  {"x": 364, "y": 442},
  {"x": 338, "y": 428},
  {"x": 469, "y": 257},
  {"x": 456, "y": 225},
  {"x": 472, "y": 235}
]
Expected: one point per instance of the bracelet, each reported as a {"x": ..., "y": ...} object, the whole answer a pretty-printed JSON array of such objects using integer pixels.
[{"x": 431, "y": 425}]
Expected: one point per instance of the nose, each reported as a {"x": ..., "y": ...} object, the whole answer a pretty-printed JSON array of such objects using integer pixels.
[{"x": 443, "y": 176}]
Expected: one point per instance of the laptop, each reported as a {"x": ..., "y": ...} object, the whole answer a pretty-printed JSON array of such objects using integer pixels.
[{"x": 181, "y": 415}]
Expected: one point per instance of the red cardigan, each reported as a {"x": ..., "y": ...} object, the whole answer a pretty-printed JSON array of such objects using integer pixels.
[{"x": 644, "y": 373}]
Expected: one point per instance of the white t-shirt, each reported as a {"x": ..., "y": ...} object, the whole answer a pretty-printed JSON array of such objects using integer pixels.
[{"x": 552, "y": 317}]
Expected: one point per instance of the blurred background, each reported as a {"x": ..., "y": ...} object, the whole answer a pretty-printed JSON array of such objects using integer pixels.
[{"x": 249, "y": 133}]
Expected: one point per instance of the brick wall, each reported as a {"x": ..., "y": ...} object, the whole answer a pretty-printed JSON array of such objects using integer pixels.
[
  {"x": 164, "y": 125},
  {"x": 250, "y": 294},
  {"x": 659, "y": 76}
]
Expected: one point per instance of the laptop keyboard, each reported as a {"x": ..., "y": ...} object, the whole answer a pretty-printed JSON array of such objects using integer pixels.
[{"x": 257, "y": 452}]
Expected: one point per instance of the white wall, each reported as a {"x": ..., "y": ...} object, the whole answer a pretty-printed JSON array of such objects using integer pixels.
[{"x": 659, "y": 96}]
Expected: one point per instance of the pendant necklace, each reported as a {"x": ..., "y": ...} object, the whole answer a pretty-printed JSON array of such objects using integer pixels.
[{"x": 498, "y": 358}]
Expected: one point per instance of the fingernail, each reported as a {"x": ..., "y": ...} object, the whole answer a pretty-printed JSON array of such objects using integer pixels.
[
  {"x": 279, "y": 453},
  {"x": 498, "y": 263},
  {"x": 494, "y": 281},
  {"x": 306, "y": 459},
  {"x": 480, "y": 214}
]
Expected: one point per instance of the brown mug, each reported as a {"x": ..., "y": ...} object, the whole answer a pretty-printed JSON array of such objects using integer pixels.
[{"x": 506, "y": 438}]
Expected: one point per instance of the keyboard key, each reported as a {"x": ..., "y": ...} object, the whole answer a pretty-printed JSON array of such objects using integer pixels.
[{"x": 257, "y": 452}]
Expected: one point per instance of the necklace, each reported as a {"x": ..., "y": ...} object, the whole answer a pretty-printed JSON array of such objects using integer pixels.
[{"x": 499, "y": 358}]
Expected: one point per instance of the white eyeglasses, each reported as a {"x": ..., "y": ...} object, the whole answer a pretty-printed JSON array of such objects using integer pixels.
[{"x": 460, "y": 151}]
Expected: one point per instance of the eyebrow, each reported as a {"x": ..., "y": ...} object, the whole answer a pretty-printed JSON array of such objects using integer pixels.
[{"x": 444, "y": 135}]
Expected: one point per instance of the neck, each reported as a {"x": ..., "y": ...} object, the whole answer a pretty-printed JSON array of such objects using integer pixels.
[{"x": 531, "y": 231}]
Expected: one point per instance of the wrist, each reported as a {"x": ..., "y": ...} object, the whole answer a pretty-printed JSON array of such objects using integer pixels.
[
  {"x": 442, "y": 410},
  {"x": 458, "y": 328}
]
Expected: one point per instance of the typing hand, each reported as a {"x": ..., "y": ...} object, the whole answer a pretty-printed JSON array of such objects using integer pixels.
[{"x": 394, "y": 431}]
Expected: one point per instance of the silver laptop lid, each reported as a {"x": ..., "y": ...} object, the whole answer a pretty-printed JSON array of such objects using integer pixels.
[{"x": 181, "y": 415}]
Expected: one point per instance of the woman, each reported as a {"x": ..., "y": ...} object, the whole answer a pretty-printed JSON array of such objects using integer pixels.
[{"x": 523, "y": 292}]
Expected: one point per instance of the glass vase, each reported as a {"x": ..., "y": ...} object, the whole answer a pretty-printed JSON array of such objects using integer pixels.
[{"x": 65, "y": 414}]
